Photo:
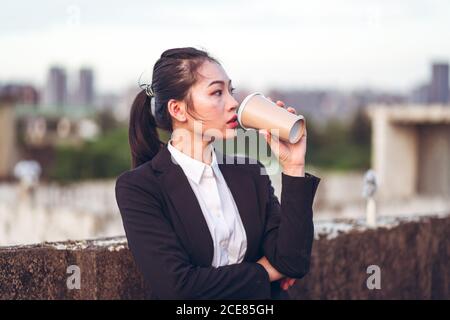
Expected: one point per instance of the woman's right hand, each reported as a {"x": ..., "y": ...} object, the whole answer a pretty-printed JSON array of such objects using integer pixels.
[{"x": 274, "y": 275}]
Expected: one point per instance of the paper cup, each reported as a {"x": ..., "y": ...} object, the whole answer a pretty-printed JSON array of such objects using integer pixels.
[{"x": 258, "y": 112}]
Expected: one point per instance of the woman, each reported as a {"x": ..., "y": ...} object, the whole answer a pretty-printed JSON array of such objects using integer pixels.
[{"x": 201, "y": 224}]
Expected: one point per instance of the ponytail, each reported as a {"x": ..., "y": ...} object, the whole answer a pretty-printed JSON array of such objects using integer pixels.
[{"x": 142, "y": 134}]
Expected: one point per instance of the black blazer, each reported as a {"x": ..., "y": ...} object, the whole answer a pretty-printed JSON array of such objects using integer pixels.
[{"x": 171, "y": 243}]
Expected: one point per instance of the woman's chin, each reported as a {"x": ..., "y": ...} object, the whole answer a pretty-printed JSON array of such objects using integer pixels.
[
  {"x": 230, "y": 134},
  {"x": 225, "y": 134}
]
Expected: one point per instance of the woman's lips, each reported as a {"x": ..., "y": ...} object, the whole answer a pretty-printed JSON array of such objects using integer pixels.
[
  {"x": 232, "y": 124},
  {"x": 233, "y": 118}
]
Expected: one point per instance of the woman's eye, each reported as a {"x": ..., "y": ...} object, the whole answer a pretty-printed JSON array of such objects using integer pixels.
[{"x": 220, "y": 91}]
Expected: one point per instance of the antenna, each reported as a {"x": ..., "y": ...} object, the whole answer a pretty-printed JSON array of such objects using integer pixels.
[{"x": 369, "y": 190}]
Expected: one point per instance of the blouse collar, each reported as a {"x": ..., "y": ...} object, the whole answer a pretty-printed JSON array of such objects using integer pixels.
[{"x": 193, "y": 168}]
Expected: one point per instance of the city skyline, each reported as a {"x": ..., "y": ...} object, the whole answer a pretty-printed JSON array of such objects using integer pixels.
[{"x": 385, "y": 46}]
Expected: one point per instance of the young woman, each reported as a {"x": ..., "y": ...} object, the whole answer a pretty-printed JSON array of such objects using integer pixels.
[{"x": 201, "y": 224}]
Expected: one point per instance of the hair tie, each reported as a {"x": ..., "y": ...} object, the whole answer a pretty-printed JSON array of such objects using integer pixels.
[
  {"x": 148, "y": 89},
  {"x": 149, "y": 92}
]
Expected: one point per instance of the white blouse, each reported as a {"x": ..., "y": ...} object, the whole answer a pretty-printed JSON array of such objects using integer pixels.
[{"x": 218, "y": 207}]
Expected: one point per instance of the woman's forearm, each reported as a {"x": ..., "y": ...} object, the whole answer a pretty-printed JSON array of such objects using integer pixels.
[
  {"x": 294, "y": 171},
  {"x": 289, "y": 226},
  {"x": 274, "y": 275}
]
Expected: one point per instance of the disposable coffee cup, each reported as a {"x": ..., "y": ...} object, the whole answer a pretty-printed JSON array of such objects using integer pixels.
[{"x": 258, "y": 112}]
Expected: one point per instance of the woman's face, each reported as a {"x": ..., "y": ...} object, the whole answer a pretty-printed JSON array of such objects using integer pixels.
[{"x": 214, "y": 105}]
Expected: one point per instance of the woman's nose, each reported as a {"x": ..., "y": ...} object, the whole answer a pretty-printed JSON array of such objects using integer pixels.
[{"x": 234, "y": 104}]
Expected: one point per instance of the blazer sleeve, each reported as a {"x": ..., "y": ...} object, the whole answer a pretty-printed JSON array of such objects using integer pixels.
[
  {"x": 289, "y": 229},
  {"x": 165, "y": 264}
]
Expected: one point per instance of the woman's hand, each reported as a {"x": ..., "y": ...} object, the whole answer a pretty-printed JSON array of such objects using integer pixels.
[
  {"x": 286, "y": 283},
  {"x": 274, "y": 275},
  {"x": 290, "y": 155}
]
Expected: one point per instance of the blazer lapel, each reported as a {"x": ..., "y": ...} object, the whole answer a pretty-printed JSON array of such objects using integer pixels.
[{"x": 186, "y": 204}]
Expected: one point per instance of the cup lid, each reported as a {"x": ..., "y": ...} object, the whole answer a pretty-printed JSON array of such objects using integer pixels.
[{"x": 242, "y": 106}]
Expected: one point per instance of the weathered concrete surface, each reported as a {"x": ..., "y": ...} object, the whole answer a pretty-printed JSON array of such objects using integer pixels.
[
  {"x": 413, "y": 255},
  {"x": 39, "y": 271}
]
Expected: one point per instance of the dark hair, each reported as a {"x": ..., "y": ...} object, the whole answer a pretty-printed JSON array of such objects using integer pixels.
[{"x": 173, "y": 75}]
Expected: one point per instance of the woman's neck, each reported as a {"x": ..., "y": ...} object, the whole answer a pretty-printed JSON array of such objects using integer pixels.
[{"x": 193, "y": 146}]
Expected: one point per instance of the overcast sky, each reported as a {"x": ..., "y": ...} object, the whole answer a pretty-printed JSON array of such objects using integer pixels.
[{"x": 343, "y": 44}]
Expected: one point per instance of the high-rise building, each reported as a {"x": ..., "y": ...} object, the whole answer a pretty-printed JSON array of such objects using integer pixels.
[
  {"x": 86, "y": 87},
  {"x": 439, "y": 89},
  {"x": 56, "y": 89}
]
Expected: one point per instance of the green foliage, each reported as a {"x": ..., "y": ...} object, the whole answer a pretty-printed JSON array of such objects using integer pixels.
[
  {"x": 106, "y": 121},
  {"x": 340, "y": 146},
  {"x": 105, "y": 157}
]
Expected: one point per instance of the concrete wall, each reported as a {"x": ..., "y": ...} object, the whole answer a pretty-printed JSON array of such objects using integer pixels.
[
  {"x": 411, "y": 150},
  {"x": 434, "y": 160},
  {"x": 394, "y": 156},
  {"x": 413, "y": 256},
  {"x": 8, "y": 153}
]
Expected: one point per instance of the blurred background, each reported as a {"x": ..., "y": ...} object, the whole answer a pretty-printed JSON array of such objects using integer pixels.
[{"x": 371, "y": 78}]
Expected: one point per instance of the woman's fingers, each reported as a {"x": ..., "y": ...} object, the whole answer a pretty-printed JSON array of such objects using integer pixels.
[
  {"x": 291, "y": 110},
  {"x": 264, "y": 132},
  {"x": 280, "y": 103},
  {"x": 286, "y": 283}
]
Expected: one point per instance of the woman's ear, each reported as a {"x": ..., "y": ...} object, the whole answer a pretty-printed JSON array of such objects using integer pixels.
[{"x": 177, "y": 110}]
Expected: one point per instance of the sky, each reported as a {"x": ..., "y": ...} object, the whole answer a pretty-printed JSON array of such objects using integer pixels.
[{"x": 345, "y": 44}]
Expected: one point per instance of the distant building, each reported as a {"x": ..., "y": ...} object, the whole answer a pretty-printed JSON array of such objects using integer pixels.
[
  {"x": 20, "y": 93},
  {"x": 420, "y": 94},
  {"x": 49, "y": 125},
  {"x": 439, "y": 89},
  {"x": 411, "y": 150},
  {"x": 86, "y": 92},
  {"x": 56, "y": 88},
  {"x": 8, "y": 144}
]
